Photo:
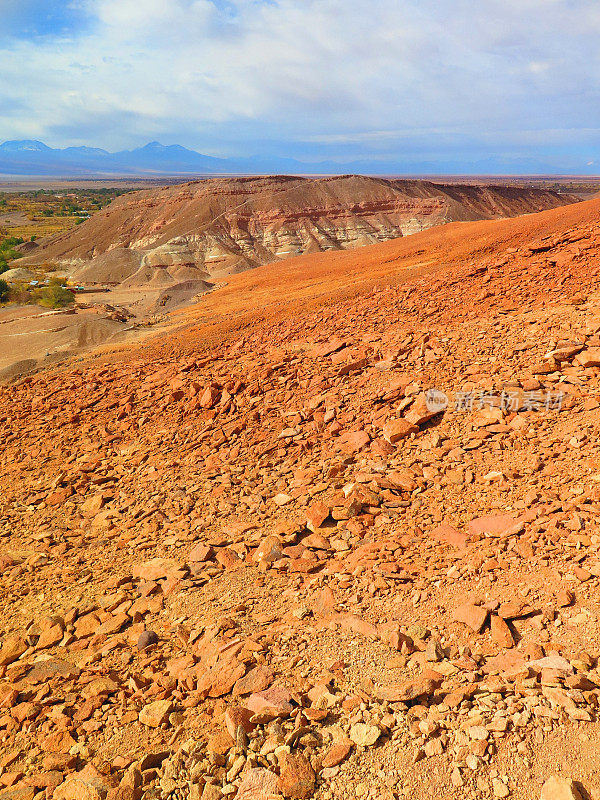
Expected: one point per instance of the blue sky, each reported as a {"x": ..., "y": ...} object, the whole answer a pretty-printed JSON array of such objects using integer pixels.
[{"x": 450, "y": 83}]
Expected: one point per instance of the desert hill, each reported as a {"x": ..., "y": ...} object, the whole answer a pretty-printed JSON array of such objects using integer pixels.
[
  {"x": 279, "y": 571},
  {"x": 217, "y": 227}
]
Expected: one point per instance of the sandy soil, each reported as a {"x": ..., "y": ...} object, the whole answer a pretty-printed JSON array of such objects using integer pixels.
[{"x": 28, "y": 336}]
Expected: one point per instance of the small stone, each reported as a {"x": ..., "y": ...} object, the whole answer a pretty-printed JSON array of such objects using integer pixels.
[
  {"x": 407, "y": 690},
  {"x": 417, "y": 631},
  {"x": 472, "y": 616},
  {"x": 146, "y": 639},
  {"x": 257, "y": 680},
  {"x": 589, "y": 357},
  {"x": 269, "y": 704},
  {"x": 395, "y": 430},
  {"x": 434, "y": 651},
  {"x": 496, "y": 525},
  {"x": 449, "y": 535},
  {"x": 282, "y": 499},
  {"x": 336, "y": 754},
  {"x": 560, "y": 789},
  {"x": 155, "y": 714},
  {"x": 364, "y": 735},
  {"x": 269, "y": 550},
  {"x": 75, "y": 789},
  {"x": 478, "y": 733},
  {"x": 501, "y": 633},
  {"x": 456, "y": 778},
  {"x": 219, "y": 743},
  {"x": 316, "y": 515},
  {"x": 199, "y": 553},
  {"x": 258, "y": 784},
  {"x": 565, "y": 598},
  {"x": 499, "y": 788},
  {"x": 296, "y": 776},
  {"x": 12, "y": 648},
  {"x": 210, "y": 792},
  {"x": 422, "y": 410}
]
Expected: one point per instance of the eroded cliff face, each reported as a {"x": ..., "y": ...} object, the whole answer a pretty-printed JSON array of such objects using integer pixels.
[{"x": 211, "y": 228}]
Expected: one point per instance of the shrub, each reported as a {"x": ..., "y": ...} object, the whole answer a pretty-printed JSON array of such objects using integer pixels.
[
  {"x": 55, "y": 295},
  {"x": 4, "y": 290},
  {"x": 7, "y": 253}
]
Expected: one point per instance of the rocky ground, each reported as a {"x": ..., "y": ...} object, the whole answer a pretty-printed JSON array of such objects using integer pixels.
[{"x": 274, "y": 568}]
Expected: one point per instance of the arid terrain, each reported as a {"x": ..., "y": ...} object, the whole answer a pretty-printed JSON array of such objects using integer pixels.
[
  {"x": 212, "y": 228},
  {"x": 151, "y": 252},
  {"x": 331, "y": 534}
]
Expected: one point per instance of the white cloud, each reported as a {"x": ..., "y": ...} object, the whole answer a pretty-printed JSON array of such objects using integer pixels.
[{"x": 326, "y": 71}]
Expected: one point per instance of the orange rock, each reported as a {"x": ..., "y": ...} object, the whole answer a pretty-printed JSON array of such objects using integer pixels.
[
  {"x": 258, "y": 784},
  {"x": 501, "y": 633},
  {"x": 496, "y": 525},
  {"x": 336, "y": 754},
  {"x": 395, "y": 430},
  {"x": 407, "y": 690},
  {"x": 270, "y": 704},
  {"x": 449, "y": 535},
  {"x": 12, "y": 648},
  {"x": 316, "y": 515},
  {"x": 296, "y": 776},
  {"x": 471, "y": 615},
  {"x": 256, "y": 680}
]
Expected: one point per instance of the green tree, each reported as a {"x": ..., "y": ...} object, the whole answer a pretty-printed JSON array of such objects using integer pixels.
[{"x": 4, "y": 290}]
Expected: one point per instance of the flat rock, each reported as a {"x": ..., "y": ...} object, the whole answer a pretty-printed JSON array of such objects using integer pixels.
[
  {"x": 395, "y": 430},
  {"x": 296, "y": 776},
  {"x": 270, "y": 704},
  {"x": 501, "y": 633},
  {"x": 590, "y": 357},
  {"x": 258, "y": 784},
  {"x": 472, "y": 616},
  {"x": 364, "y": 735},
  {"x": 560, "y": 789},
  {"x": 495, "y": 525},
  {"x": 407, "y": 690},
  {"x": 449, "y": 535},
  {"x": 154, "y": 569},
  {"x": 155, "y": 714},
  {"x": 13, "y": 648},
  {"x": 336, "y": 754}
]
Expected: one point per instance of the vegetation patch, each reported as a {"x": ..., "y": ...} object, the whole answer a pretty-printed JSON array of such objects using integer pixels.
[
  {"x": 51, "y": 294},
  {"x": 7, "y": 251}
]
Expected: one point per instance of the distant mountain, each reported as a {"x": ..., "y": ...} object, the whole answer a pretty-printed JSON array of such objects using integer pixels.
[
  {"x": 34, "y": 158},
  {"x": 25, "y": 146}
]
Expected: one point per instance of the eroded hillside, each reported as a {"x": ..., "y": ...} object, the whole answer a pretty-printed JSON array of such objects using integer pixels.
[{"x": 211, "y": 228}]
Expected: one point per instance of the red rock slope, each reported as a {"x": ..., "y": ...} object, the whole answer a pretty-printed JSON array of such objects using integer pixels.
[{"x": 247, "y": 562}]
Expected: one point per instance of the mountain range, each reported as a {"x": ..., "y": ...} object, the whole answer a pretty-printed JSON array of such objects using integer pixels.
[{"x": 34, "y": 158}]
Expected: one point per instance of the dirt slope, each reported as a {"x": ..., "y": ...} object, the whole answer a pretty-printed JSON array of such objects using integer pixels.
[
  {"x": 222, "y": 226},
  {"x": 249, "y": 561}
]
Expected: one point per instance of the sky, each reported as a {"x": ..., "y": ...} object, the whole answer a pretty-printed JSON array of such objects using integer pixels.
[{"x": 455, "y": 84}]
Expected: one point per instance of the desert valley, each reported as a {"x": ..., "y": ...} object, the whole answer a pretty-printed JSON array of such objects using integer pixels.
[{"x": 154, "y": 251}]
